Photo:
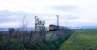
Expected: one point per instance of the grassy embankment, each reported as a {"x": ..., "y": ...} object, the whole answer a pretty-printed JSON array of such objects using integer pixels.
[{"x": 81, "y": 40}]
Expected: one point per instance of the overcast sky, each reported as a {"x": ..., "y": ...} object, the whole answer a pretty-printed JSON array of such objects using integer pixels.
[{"x": 73, "y": 13}]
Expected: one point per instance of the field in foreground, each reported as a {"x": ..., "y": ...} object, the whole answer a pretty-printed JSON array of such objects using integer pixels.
[{"x": 81, "y": 40}]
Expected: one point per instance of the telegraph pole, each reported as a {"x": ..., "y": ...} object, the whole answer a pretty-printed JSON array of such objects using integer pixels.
[
  {"x": 23, "y": 28},
  {"x": 57, "y": 21},
  {"x": 23, "y": 25},
  {"x": 35, "y": 22}
]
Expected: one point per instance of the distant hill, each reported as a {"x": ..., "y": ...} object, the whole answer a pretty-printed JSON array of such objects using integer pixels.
[
  {"x": 17, "y": 29},
  {"x": 88, "y": 27},
  {"x": 3, "y": 29}
]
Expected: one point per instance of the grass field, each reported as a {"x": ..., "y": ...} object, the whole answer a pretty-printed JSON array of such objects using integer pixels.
[{"x": 81, "y": 40}]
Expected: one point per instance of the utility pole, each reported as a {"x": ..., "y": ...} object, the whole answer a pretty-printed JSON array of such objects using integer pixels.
[
  {"x": 31, "y": 34},
  {"x": 35, "y": 23},
  {"x": 23, "y": 28},
  {"x": 57, "y": 21},
  {"x": 23, "y": 22}
]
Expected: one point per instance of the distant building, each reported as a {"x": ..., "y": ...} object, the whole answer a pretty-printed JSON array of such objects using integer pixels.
[{"x": 53, "y": 27}]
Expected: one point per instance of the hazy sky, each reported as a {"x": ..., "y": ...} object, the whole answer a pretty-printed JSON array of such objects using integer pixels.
[{"x": 73, "y": 13}]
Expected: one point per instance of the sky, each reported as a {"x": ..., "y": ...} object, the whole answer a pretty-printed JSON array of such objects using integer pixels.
[{"x": 72, "y": 13}]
